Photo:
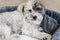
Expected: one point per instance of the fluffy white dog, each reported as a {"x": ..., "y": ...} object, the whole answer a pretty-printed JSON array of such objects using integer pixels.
[
  {"x": 24, "y": 21},
  {"x": 32, "y": 20}
]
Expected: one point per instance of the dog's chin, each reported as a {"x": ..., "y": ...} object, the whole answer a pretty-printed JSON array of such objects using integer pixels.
[{"x": 35, "y": 23}]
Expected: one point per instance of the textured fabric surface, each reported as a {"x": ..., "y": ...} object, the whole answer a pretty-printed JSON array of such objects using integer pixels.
[
  {"x": 54, "y": 15},
  {"x": 8, "y": 9},
  {"x": 49, "y": 24},
  {"x": 56, "y": 35}
]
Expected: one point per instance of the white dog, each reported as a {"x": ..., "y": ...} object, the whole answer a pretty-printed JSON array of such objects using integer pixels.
[
  {"x": 32, "y": 20},
  {"x": 24, "y": 21}
]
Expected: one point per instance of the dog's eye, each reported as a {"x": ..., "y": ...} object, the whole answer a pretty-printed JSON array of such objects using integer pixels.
[
  {"x": 23, "y": 9},
  {"x": 41, "y": 31},
  {"x": 30, "y": 10},
  {"x": 38, "y": 8}
]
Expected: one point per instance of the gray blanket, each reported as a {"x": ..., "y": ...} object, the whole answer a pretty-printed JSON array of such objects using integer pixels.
[
  {"x": 7, "y": 9},
  {"x": 49, "y": 24},
  {"x": 56, "y": 16}
]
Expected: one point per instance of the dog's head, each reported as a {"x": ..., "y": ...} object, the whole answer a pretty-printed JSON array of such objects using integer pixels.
[{"x": 33, "y": 14}]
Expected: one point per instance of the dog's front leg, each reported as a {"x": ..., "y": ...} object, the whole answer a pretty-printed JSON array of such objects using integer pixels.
[
  {"x": 41, "y": 35},
  {"x": 36, "y": 34}
]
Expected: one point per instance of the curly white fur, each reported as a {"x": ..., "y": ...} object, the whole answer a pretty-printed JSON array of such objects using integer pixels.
[{"x": 4, "y": 31}]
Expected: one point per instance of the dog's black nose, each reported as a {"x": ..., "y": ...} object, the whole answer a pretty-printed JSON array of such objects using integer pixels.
[
  {"x": 30, "y": 10},
  {"x": 34, "y": 17}
]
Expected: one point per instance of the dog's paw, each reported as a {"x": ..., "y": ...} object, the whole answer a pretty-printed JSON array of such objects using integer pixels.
[
  {"x": 13, "y": 37},
  {"x": 42, "y": 36},
  {"x": 45, "y": 39}
]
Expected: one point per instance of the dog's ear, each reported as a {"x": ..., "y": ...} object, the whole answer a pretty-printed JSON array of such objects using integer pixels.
[{"x": 21, "y": 8}]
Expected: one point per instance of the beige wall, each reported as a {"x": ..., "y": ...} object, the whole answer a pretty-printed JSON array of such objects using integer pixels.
[
  {"x": 10, "y": 2},
  {"x": 50, "y": 4}
]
